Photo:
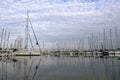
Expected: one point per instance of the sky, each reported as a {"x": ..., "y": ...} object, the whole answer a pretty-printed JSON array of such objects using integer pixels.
[{"x": 55, "y": 20}]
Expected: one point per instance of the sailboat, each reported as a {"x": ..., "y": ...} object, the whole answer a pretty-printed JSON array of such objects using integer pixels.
[{"x": 26, "y": 51}]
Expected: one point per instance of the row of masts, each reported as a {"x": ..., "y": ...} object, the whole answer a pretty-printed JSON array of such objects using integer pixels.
[
  {"x": 106, "y": 40},
  {"x": 4, "y": 43},
  {"x": 7, "y": 43}
]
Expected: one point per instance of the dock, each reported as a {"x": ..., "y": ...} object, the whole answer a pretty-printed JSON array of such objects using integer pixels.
[
  {"x": 27, "y": 53},
  {"x": 4, "y": 51}
]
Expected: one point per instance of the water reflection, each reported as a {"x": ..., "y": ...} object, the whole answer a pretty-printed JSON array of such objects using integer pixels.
[{"x": 60, "y": 68}]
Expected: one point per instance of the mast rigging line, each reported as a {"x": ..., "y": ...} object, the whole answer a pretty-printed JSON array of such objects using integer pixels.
[
  {"x": 34, "y": 33},
  {"x": 31, "y": 42},
  {"x": 37, "y": 66}
]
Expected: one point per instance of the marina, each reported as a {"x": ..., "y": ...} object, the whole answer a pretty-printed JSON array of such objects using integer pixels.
[
  {"x": 73, "y": 60},
  {"x": 59, "y": 40}
]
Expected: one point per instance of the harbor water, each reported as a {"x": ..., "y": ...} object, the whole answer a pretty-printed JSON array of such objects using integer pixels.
[{"x": 60, "y": 68}]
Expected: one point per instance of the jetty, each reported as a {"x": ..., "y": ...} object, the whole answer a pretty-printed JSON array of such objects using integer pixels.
[{"x": 5, "y": 51}]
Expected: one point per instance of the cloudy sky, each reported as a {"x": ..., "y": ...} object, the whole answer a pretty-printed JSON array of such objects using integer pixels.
[{"x": 59, "y": 19}]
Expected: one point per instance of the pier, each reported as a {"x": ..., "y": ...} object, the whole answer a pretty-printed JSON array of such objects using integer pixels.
[{"x": 4, "y": 51}]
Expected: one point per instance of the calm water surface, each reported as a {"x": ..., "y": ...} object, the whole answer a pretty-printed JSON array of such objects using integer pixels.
[{"x": 59, "y": 68}]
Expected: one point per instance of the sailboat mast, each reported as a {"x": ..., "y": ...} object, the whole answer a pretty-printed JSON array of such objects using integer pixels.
[
  {"x": 104, "y": 39},
  {"x": 8, "y": 39},
  {"x": 116, "y": 35},
  {"x": 26, "y": 33},
  {"x": 2, "y": 38},
  {"x": 111, "y": 44}
]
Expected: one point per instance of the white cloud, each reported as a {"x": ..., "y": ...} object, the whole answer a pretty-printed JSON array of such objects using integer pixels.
[{"x": 54, "y": 18}]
